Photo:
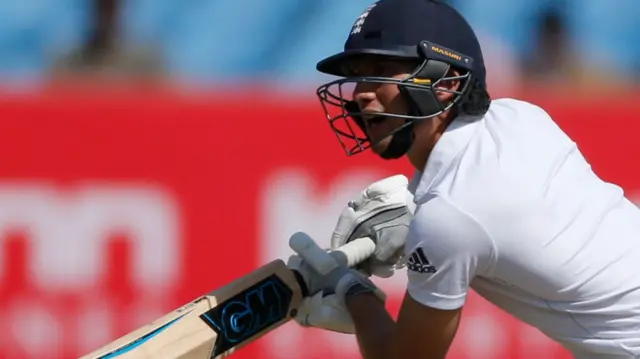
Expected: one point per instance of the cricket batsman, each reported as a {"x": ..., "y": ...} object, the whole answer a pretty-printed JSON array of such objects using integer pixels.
[{"x": 502, "y": 201}]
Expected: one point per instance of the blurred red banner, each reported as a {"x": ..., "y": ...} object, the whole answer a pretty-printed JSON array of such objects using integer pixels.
[{"x": 117, "y": 208}]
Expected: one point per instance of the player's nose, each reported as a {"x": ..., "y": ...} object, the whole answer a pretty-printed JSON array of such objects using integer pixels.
[{"x": 364, "y": 94}]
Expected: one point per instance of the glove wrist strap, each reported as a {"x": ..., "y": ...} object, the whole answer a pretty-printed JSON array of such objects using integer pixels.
[
  {"x": 355, "y": 283},
  {"x": 355, "y": 289}
]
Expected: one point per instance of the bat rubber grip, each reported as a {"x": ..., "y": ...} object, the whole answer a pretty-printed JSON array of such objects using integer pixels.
[
  {"x": 323, "y": 262},
  {"x": 355, "y": 252}
]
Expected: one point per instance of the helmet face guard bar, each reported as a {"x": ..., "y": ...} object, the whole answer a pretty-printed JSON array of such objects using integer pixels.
[{"x": 419, "y": 90}]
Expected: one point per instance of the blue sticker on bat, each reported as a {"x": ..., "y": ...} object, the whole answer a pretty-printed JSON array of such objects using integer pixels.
[{"x": 138, "y": 342}]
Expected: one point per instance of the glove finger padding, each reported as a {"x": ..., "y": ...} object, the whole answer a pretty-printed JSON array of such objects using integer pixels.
[
  {"x": 382, "y": 213},
  {"x": 329, "y": 312},
  {"x": 325, "y": 312},
  {"x": 378, "y": 197},
  {"x": 388, "y": 230},
  {"x": 344, "y": 227}
]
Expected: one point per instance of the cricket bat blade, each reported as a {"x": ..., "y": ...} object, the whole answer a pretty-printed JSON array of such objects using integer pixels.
[{"x": 217, "y": 324}]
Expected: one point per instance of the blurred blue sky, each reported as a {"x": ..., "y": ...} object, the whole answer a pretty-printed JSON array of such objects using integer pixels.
[{"x": 218, "y": 41}]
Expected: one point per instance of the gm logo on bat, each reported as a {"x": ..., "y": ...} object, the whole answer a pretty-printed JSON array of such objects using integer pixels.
[{"x": 249, "y": 312}]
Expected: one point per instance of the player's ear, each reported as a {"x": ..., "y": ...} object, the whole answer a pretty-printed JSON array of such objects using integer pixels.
[{"x": 448, "y": 85}]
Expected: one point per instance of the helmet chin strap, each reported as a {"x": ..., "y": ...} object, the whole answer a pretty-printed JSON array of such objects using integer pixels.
[
  {"x": 421, "y": 102},
  {"x": 400, "y": 143}
]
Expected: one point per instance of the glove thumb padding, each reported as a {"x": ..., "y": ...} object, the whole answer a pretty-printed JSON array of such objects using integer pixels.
[{"x": 344, "y": 227}]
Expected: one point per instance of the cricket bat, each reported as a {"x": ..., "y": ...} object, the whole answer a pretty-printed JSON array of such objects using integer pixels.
[{"x": 217, "y": 324}]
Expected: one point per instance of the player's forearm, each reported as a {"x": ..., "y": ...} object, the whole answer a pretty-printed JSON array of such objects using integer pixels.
[{"x": 374, "y": 326}]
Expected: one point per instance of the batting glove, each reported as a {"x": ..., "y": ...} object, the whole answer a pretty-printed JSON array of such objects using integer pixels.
[
  {"x": 382, "y": 212},
  {"x": 325, "y": 306}
]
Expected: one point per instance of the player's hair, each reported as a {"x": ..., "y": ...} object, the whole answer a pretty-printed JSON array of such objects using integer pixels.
[{"x": 476, "y": 101}]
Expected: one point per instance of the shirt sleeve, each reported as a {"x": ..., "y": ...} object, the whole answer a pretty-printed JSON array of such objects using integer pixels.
[{"x": 445, "y": 249}]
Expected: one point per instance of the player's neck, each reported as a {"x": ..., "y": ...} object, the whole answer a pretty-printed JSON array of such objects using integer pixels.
[{"x": 426, "y": 138}]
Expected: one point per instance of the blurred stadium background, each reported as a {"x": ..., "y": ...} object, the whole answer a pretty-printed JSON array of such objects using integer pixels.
[{"x": 155, "y": 149}]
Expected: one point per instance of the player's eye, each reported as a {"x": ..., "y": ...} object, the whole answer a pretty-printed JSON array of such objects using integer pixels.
[
  {"x": 376, "y": 70},
  {"x": 386, "y": 69}
]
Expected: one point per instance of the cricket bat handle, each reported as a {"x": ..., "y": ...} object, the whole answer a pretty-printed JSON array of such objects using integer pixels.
[{"x": 350, "y": 254}]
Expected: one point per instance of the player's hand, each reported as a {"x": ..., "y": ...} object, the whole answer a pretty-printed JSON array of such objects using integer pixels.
[
  {"x": 325, "y": 306},
  {"x": 326, "y": 312},
  {"x": 381, "y": 212},
  {"x": 341, "y": 281}
]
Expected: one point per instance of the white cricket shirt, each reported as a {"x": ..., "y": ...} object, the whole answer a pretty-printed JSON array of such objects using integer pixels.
[{"x": 508, "y": 206}]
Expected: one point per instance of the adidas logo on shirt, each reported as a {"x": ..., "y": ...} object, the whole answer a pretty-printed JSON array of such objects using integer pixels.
[{"x": 419, "y": 263}]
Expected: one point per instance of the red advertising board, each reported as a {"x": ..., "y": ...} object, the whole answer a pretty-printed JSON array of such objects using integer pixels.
[{"x": 115, "y": 209}]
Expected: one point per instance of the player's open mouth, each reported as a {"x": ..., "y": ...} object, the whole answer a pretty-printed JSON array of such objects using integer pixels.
[
  {"x": 375, "y": 120},
  {"x": 375, "y": 127}
]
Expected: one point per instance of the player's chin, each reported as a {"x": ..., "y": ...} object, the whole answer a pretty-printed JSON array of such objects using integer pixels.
[{"x": 380, "y": 146}]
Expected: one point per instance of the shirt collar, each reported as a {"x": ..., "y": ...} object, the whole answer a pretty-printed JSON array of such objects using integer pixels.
[{"x": 452, "y": 142}]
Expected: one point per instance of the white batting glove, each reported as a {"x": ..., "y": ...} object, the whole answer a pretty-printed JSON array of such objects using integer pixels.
[
  {"x": 325, "y": 312},
  {"x": 325, "y": 306},
  {"x": 382, "y": 212}
]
